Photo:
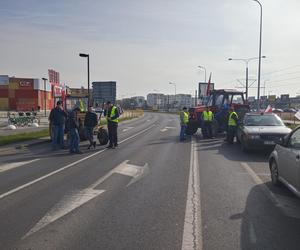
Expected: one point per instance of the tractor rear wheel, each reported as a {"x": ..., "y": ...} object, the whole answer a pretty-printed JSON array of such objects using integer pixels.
[{"x": 102, "y": 136}]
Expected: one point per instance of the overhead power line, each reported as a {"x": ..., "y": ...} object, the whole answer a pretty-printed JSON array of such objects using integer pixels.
[
  {"x": 285, "y": 79},
  {"x": 276, "y": 71}
]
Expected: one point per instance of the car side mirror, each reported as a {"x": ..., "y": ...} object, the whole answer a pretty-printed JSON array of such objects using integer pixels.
[{"x": 284, "y": 141}]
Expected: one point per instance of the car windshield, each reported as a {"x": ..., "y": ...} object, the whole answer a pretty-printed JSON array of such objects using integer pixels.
[{"x": 263, "y": 120}]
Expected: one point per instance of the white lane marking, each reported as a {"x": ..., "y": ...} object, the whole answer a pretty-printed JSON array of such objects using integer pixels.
[
  {"x": 78, "y": 198},
  {"x": 67, "y": 166},
  {"x": 288, "y": 205},
  {"x": 192, "y": 231},
  {"x": 127, "y": 128},
  {"x": 124, "y": 169},
  {"x": 166, "y": 129},
  {"x": 65, "y": 206},
  {"x": 9, "y": 166}
]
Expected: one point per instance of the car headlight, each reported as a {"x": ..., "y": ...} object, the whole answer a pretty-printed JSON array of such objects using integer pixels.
[{"x": 254, "y": 137}]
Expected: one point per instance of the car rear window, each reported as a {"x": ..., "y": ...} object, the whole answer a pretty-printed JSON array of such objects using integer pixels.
[{"x": 263, "y": 120}]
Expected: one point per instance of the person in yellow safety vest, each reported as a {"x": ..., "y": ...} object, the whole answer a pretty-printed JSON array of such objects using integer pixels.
[
  {"x": 207, "y": 117},
  {"x": 232, "y": 125},
  {"x": 81, "y": 106},
  {"x": 184, "y": 120},
  {"x": 112, "y": 115}
]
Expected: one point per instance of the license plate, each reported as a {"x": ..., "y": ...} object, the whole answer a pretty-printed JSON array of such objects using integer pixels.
[{"x": 269, "y": 143}]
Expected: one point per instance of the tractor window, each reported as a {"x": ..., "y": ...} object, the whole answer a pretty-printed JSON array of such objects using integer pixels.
[
  {"x": 219, "y": 100},
  {"x": 236, "y": 99},
  {"x": 210, "y": 101}
]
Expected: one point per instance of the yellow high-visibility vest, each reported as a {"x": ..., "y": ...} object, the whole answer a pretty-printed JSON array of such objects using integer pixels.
[
  {"x": 185, "y": 117},
  {"x": 113, "y": 112},
  {"x": 232, "y": 122},
  {"x": 81, "y": 106},
  {"x": 208, "y": 116}
]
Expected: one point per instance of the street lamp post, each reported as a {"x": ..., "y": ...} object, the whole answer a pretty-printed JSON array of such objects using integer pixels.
[
  {"x": 246, "y": 61},
  {"x": 201, "y": 67},
  {"x": 45, "y": 96},
  {"x": 259, "y": 56},
  {"x": 172, "y": 83},
  {"x": 88, "y": 73}
]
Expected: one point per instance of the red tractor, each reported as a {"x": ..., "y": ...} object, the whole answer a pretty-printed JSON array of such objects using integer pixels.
[{"x": 219, "y": 102}]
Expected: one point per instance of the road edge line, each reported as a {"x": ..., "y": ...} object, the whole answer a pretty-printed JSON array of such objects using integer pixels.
[{"x": 192, "y": 231}]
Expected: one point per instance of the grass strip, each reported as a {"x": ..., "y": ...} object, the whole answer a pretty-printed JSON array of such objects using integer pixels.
[{"x": 7, "y": 139}]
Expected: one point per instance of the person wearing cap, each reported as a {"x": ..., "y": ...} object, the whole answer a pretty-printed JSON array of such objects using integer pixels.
[
  {"x": 57, "y": 119},
  {"x": 184, "y": 119},
  {"x": 207, "y": 117},
  {"x": 90, "y": 122},
  {"x": 232, "y": 125},
  {"x": 73, "y": 128},
  {"x": 112, "y": 116}
]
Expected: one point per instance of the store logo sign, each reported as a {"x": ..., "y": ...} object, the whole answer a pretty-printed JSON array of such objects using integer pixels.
[{"x": 25, "y": 84}]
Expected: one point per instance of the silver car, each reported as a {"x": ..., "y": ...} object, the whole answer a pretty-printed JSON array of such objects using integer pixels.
[{"x": 284, "y": 162}]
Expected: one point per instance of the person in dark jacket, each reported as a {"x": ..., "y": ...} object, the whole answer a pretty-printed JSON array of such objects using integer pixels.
[
  {"x": 112, "y": 115},
  {"x": 90, "y": 122},
  {"x": 57, "y": 123},
  {"x": 73, "y": 128}
]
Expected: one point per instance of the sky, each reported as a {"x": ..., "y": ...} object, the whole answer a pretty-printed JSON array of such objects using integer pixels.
[{"x": 145, "y": 44}]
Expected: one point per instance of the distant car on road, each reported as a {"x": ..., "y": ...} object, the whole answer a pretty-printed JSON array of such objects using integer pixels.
[
  {"x": 277, "y": 111},
  {"x": 290, "y": 110},
  {"x": 261, "y": 131},
  {"x": 284, "y": 162}
]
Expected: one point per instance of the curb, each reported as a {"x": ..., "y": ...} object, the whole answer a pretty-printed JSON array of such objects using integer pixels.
[{"x": 24, "y": 144}]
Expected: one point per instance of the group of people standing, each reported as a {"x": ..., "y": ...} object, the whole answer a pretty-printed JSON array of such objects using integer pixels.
[
  {"x": 62, "y": 121},
  {"x": 208, "y": 118}
]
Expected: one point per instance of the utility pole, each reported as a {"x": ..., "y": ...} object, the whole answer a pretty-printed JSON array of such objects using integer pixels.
[
  {"x": 45, "y": 95},
  {"x": 259, "y": 53}
]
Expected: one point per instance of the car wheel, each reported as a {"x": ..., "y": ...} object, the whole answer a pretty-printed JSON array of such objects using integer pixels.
[{"x": 274, "y": 173}]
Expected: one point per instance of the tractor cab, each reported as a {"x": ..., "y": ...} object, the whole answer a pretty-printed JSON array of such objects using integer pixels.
[{"x": 219, "y": 102}]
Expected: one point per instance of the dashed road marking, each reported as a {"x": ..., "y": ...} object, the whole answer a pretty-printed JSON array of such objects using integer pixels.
[
  {"x": 166, "y": 129},
  {"x": 127, "y": 128},
  {"x": 12, "y": 165}
]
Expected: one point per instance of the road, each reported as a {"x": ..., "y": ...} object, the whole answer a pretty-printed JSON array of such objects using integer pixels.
[{"x": 152, "y": 192}]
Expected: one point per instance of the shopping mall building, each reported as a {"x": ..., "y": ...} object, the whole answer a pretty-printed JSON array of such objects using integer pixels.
[{"x": 25, "y": 94}]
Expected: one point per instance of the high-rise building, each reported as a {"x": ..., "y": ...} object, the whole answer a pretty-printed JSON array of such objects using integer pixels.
[
  {"x": 103, "y": 92},
  {"x": 156, "y": 99}
]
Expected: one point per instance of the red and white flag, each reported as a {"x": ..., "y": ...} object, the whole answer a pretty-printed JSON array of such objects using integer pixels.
[
  {"x": 269, "y": 109},
  {"x": 208, "y": 85},
  {"x": 297, "y": 115}
]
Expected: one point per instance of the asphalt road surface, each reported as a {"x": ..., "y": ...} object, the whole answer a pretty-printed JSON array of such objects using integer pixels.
[{"x": 152, "y": 192}]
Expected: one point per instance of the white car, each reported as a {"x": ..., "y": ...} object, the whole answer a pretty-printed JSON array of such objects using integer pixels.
[{"x": 284, "y": 162}]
